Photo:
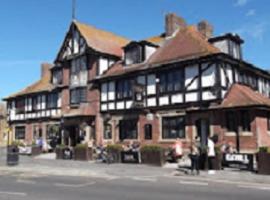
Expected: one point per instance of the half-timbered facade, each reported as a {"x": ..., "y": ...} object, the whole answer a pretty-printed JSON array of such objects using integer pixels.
[{"x": 184, "y": 83}]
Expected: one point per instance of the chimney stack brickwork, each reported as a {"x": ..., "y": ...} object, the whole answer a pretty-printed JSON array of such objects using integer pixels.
[
  {"x": 45, "y": 69},
  {"x": 205, "y": 29},
  {"x": 173, "y": 23}
]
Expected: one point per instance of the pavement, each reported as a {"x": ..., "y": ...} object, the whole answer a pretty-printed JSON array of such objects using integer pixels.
[{"x": 43, "y": 177}]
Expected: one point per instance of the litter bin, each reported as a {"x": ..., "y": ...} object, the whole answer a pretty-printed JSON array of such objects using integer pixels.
[{"x": 12, "y": 155}]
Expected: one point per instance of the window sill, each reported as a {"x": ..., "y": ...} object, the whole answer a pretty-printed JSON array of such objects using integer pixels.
[
  {"x": 246, "y": 133},
  {"x": 230, "y": 134},
  {"x": 74, "y": 105}
]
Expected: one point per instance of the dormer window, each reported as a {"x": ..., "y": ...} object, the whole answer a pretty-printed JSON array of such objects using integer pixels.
[
  {"x": 137, "y": 52},
  {"x": 229, "y": 44},
  {"x": 78, "y": 72}
]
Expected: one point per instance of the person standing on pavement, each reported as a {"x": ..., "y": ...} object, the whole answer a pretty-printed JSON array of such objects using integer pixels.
[
  {"x": 211, "y": 153},
  {"x": 194, "y": 157}
]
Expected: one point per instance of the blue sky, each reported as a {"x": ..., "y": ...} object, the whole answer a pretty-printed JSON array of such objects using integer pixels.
[{"x": 32, "y": 31}]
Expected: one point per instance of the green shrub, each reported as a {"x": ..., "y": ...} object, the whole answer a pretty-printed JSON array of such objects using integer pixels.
[
  {"x": 17, "y": 143},
  {"x": 81, "y": 146},
  {"x": 151, "y": 148},
  {"x": 115, "y": 147},
  {"x": 61, "y": 146},
  {"x": 264, "y": 149}
]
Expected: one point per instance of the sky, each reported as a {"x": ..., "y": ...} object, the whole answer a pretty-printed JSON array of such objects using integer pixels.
[{"x": 32, "y": 31}]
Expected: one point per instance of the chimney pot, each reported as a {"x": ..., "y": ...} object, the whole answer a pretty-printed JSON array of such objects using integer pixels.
[
  {"x": 172, "y": 23},
  {"x": 205, "y": 29}
]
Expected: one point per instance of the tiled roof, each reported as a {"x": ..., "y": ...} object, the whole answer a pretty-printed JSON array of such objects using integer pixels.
[
  {"x": 102, "y": 41},
  {"x": 156, "y": 39},
  {"x": 44, "y": 84},
  {"x": 188, "y": 43},
  {"x": 242, "y": 96}
]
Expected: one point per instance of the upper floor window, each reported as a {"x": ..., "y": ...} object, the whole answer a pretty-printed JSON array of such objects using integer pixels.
[
  {"x": 52, "y": 100},
  {"x": 78, "y": 72},
  {"x": 173, "y": 127},
  {"x": 57, "y": 76},
  {"x": 34, "y": 103},
  {"x": 20, "y": 106},
  {"x": 171, "y": 81},
  {"x": 78, "y": 95},
  {"x": 124, "y": 89},
  {"x": 133, "y": 54}
]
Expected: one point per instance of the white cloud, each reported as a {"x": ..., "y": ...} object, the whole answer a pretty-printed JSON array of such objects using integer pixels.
[
  {"x": 256, "y": 30},
  {"x": 240, "y": 2},
  {"x": 251, "y": 12}
]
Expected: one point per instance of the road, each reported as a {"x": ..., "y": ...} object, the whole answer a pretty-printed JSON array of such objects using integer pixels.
[{"x": 21, "y": 186}]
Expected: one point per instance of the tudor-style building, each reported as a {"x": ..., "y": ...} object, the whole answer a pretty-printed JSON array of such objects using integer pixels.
[
  {"x": 63, "y": 99},
  {"x": 180, "y": 84}
]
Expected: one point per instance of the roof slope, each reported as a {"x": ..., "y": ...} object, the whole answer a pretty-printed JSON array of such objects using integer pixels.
[
  {"x": 102, "y": 41},
  {"x": 188, "y": 43},
  {"x": 242, "y": 96}
]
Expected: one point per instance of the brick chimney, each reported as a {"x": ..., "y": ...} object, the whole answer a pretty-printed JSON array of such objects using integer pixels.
[
  {"x": 205, "y": 29},
  {"x": 172, "y": 23},
  {"x": 45, "y": 70}
]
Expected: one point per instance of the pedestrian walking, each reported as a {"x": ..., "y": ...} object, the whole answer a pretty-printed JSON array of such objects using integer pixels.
[
  {"x": 194, "y": 156},
  {"x": 211, "y": 153}
]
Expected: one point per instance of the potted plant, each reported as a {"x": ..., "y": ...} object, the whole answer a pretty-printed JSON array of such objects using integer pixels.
[
  {"x": 263, "y": 160},
  {"x": 114, "y": 151},
  {"x": 82, "y": 152},
  {"x": 153, "y": 155},
  {"x": 59, "y": 150}
]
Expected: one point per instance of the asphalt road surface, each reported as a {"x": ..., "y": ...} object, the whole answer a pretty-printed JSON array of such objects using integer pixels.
[{"x": 36, "y": 187}]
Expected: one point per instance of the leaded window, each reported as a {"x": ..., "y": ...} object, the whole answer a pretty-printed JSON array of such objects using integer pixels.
[{"x": 173, "y": 127}]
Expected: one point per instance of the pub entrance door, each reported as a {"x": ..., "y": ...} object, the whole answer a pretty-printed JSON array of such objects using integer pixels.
[{"x": 203, "y": 130}]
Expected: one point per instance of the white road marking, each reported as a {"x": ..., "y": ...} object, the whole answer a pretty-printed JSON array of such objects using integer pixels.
[
  {"x": 74, "y": 185},
  {"x": 254, "y": 187},
  {"x": 13, "y": 193},
  {"x": 193, "y": 183},
  {"x": 25, "y": 181},
  {"x": 144, "y": 179}
]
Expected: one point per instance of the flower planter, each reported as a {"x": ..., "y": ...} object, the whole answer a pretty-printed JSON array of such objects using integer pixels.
[
  {"x": 263, "y": 163},
  {"x": 83, "y": 154},
  {"x": 59, "y": 153},
  {"x": 156, "y": 158},
  {"x": 36, "y": 150},
  {"x": 115, "y": 155}
]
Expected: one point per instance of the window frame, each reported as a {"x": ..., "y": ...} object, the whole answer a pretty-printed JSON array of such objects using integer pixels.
[
  {"x": 167, "y": 124},
  {"x": 78, "y": 91},
  {"x": 129, "y": 126},
  {"x": 245, "y": 121},
  {"x": 20, "y": 134},
  {"x": 148, "y": 132}
]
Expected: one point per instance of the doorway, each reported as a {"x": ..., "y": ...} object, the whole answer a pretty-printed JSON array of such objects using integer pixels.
[{"x": 203, "y": 130}]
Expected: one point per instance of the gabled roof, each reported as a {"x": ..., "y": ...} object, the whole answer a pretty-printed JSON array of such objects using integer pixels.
[
  {"x": 102, "y": 41},
  {"x": 188, "y": 43},
  {"x": 42, "y": 85},
  {"x": 242, "y": 96}
]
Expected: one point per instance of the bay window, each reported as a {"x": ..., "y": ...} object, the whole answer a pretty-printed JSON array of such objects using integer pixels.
[{"x": 78, "y": 72}]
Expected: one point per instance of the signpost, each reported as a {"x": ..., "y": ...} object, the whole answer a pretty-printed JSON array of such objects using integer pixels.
[{"x": 238, "y": 160}]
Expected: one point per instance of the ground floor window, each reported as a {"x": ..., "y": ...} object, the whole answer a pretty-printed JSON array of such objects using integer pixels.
[
  {"x": 20, "y": 132},
  {"x": 268, "y": 121},
  {"x": 52, "y": 131},
  {"x": 245, "y": 121},
  {"x": 231, "y": 121},
  {"x": 148, "y": 131},
  {"x": 128, "y": 129},
  {"x": 107, "y": 131},
  {"x": 173, "y": 127}
]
